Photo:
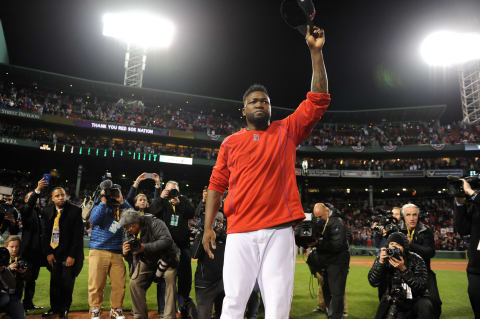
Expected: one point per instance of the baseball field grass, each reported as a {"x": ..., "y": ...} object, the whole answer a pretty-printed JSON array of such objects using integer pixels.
[{"x": 362, "y": 299}]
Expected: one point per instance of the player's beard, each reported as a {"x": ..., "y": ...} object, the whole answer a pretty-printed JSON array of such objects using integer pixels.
[{"x": 260, "y": 121}]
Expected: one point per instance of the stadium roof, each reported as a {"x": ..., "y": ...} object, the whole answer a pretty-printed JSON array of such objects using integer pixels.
[{"x": 55, "y": 81}]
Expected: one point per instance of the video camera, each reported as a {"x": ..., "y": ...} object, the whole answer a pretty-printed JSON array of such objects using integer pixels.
[
  {"x": 305, "y": 232},
  {"x": 386, "y": 222},
  {"x": 455, "y": 185},
  {"x": 111, "y": 191}
]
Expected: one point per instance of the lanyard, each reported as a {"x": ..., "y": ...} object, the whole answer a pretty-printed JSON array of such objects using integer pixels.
[
  {"x": 410, "y": 236},
  {"x": 139, "y": 234}
]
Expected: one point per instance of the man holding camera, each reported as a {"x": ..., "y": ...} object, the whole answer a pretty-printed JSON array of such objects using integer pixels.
[
  {"x": 105, "y": 254},
  {"x": 421, "y": 241},
  {"x": 467, "y": 222},
  {"x": 11, "y": 217},
  {"x": 175, "y": 210},
  {"x": 405, "y": 275},
  {"x": 331, "y": 248},
  {"x": 151, "y": 253},
  {"x": 32, "y": 248},
  {"x": 64, "y": 244}
]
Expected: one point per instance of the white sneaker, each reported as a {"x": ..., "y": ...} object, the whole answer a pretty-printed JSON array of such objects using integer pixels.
[
  {"x": 117, "y": 313},
  {"x": 95, "y": 314}
]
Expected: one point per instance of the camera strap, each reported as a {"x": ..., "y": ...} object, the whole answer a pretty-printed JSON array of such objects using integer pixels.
[
  {"x": 325, "y": 227},
  {"x": 13, "y": 260}
]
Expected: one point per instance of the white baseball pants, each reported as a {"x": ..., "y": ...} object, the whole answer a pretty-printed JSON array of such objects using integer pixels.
[{"x": 267, "y": 255}]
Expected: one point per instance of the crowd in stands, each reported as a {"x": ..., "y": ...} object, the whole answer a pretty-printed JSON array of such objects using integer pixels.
[
  {"x": 46, "y": 135},
  {"x": 216, "y": 122},
  {"x": 415, "y": 164}
]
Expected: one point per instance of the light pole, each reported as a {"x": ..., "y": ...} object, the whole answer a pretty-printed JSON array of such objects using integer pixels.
[
  {"x": 140, "y": 31},
  {"x": 447, "y": 48}
]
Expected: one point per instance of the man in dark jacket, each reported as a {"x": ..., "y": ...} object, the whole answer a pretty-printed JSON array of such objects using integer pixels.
[
  {"x": 64, "y": 244},
  {"x": 147, "y": 241},
  {"x": 32, "y": 248},
  {"x": 405, "y": 276},
  {"x": 421, "y": 241},
  {"x": 208, "y": 276},
  {"x": 175, "y": 211},
  {"x": 11, "y": 218},
  {"x": 467, "y": 222},
  {"x": 332, "y": 249}
]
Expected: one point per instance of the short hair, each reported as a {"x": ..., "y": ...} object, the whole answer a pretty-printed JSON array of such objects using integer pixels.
[
  {"x": 10, "y": 239},
  {"x": 254, "y": 88},
  {"x": 173, "y": 182},
  {"x": 128, "y": 217},
  {"x": 408, "y": 206},
  {"x": 57, "y": 188}
]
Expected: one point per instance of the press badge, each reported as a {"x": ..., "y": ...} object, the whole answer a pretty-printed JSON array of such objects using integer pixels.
[
  {"x": 55, "y": 235},
  {"x": 114, "y": 227},
  {"x": 174, "y": 220},
  {"x": 478, "y": 247}
]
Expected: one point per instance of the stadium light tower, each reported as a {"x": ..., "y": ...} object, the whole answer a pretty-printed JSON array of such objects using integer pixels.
[
  {"x": 445, "y": 49},
  {"x": 140, "y": 31}
]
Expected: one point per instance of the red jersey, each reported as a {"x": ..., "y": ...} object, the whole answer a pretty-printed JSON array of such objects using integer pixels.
[{"x": 258, "y": 167}]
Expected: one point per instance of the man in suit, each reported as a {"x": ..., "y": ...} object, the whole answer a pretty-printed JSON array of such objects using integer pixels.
[{"x": 64, "y": 246}]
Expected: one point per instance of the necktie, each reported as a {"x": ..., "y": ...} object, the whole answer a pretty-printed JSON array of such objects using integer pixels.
[{"x": 56, "y": 230}]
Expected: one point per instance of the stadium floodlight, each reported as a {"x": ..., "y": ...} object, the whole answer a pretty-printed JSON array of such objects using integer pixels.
[
  {"x": 462, "y": 50},
  {"x": 140, "y": 31},
  {"x": 447, "y": 48}
]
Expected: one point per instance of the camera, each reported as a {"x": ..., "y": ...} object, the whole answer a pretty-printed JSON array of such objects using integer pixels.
[
  {"x": 304, "y": 234},
  {"x": 394, "y": 252},
  {"x": 455, "y": 185},
  {"x": 22, "y": 264},
  {"x": 386, "y": 222},
  {"x": 111, "y": 192},
  {"x": 395, "y": 297},
  {"x": 173, "y": 193},
  {"x": 134, "y": 244}
]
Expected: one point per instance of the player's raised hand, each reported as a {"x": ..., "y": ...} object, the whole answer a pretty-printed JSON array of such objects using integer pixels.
[{"x": 315, "y": 38}]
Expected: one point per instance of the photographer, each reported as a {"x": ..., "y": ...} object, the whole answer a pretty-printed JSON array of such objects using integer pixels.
[
  {"x": 10, "y": 302},
  {"x": 10, "y": 216},
  {"x": 331, "y": 248},
  {"x": 405, "y": 276},
  {"x": 151, "y": 253},
  {"x": 208, "y": 276},
  {"x": 32, "y": 248},
  {"x": 175, "y": 210},
  {"x": 140, "y": 200},
  {"x": 18, "y": 266},
  {"x": 421, "y": 241},
  {"x": 467, "y": 222},
  {"x": 200, "y": 210},
  {"x": 105, "y": 254}
]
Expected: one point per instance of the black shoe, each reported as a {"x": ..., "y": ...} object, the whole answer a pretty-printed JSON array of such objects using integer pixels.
[
  {"x": 32, "y": 307},
  {"x": 63, "y": 315},
  {"x": 48, "y": 313}
]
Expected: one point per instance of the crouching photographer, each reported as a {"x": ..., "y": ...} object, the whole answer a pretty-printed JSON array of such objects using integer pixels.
[
  {"x": 467, "y": 222},
  {"x": 330, "y": 256},
  {"x": 151, "y": 253},
  {"x": 405, "y": 275}
]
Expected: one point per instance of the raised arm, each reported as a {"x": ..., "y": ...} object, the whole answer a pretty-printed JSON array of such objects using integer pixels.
[{"x": 315, "y": 41}]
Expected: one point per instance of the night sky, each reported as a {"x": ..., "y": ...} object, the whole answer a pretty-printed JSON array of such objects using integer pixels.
[{"x": 221, "y": 47}]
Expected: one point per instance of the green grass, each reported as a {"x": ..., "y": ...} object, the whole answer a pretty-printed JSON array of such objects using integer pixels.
[{"x": 361, "y": 297}]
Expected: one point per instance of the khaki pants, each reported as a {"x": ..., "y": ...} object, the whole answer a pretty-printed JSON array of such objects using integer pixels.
[
  {"x": 321, "y": 299},
  {"x": 103, "y": 263},
  {"x": 141, "y": 280}
]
